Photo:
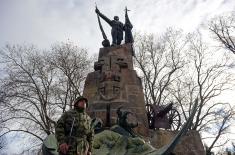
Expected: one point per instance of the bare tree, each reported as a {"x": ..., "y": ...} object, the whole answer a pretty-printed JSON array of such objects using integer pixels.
[
  {"x": 38, "y": 86},
  {"x": 181, "y": 68},
  {"x": 159, "y": 62},
  {"x": 222, "y": 125},
  {"x": 223, "y": 28},
  {"x": 207, "y": 75},
  {"x": 3, "y": 141},
  {"x": 72, "y": 65}
]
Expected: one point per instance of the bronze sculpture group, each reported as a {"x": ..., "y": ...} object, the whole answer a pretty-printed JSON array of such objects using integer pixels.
[{"x": 117, "y": 29}]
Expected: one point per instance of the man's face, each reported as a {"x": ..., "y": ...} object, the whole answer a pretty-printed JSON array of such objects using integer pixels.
[{"x": 81, "y": 104}]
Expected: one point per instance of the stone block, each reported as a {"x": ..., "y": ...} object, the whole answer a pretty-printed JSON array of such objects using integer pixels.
[{"x": 190, "y": 144}]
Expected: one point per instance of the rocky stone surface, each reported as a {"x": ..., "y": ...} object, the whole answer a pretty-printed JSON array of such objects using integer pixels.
[
  {"x": 115, "y": 83},
  {"x": 190, "y": 144}
]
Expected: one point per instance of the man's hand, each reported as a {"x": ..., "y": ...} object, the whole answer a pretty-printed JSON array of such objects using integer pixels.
[
  {"x": 88, "y": 153},
  {"x": 64, "y": 148}
]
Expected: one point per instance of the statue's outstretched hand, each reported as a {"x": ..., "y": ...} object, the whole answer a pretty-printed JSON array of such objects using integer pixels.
[{"x": 97, "y": 10}]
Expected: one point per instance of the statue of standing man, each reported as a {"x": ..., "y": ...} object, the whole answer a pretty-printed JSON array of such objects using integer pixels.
[{"x": 117, "y": 28}]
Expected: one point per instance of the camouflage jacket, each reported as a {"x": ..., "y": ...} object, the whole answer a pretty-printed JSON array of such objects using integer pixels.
[{"x": 82, "y": 129}]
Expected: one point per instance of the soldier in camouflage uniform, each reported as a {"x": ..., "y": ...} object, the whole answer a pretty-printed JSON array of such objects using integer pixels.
[{"x": 74, "y": 132}]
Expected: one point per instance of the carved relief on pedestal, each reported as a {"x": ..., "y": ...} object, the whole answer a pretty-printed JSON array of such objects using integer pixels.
[
  {"x": 109, "y": 83},
  {"x": 109, "y": 90}
]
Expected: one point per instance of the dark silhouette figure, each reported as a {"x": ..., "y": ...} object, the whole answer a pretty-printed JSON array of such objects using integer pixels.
[
  {"x": 122, "y": 121},
  {"x": 128, "y": 27},
  {"x": 117, "y": 27}
]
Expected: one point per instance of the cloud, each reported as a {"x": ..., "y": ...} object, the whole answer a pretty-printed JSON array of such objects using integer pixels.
[{"x": 43, "y": 22}]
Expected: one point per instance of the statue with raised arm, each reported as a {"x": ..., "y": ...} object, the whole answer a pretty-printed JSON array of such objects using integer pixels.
[
  {"x": 105, "y": 42},
  {"x": 117, "y": 27},
  {"x": 127, "y": 28}
]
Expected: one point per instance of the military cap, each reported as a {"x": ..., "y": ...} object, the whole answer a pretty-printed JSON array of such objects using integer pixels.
[{"x": 81, "y": 98}]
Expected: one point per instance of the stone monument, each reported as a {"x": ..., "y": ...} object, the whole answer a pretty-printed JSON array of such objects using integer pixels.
[{"x": 115, "y": 83}]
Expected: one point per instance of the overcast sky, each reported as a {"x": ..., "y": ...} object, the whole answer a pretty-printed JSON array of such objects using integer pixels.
[{"x": 44, "y": 22}]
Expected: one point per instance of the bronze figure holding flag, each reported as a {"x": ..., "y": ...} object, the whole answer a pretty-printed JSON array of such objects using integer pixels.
[{"x": 117, "y": 29}]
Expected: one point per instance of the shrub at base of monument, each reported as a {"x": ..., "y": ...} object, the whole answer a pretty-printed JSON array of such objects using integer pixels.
[{"x": 112, "y": 143}]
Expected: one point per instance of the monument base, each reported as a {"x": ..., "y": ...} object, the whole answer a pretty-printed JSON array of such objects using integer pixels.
[
  {"x": 190, "y": 144},
  {"x": 113, "y": 84}
]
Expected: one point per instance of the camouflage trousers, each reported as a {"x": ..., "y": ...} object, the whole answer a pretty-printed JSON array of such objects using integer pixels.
[
  {"x": 78, "y": 147},
  {"x": 82, "y": 147}
]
